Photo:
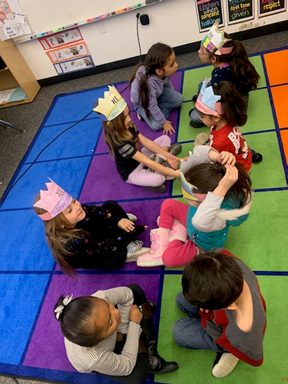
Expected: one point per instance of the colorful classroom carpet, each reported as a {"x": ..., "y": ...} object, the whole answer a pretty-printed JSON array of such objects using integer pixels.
[{"x": 30, "y": 338}]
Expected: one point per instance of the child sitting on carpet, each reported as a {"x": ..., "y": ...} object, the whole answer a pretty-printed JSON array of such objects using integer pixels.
[
  {"x": 133, "y": 163},
  {"x": 231, "y": 63},
  {"x": 152, "y": 92},
  {"x": 221, "y": 109},
  {"x": 219, "y": 195},
  {"x": 226, "y": 311},
  {"x": 87, "y": 236},
  {"x": 118, "y": 342}
]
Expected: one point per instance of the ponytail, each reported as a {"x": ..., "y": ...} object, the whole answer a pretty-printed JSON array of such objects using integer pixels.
[
  {"x": 233, "y": 103},
  {"x": 243, "y": 70},
  {"x": 156, "y": 58}
]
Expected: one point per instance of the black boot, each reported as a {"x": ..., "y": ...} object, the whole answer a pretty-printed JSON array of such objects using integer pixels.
[{"x": 157, "y": 363}]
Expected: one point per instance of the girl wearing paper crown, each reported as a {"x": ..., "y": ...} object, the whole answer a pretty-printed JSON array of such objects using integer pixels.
[
  {"x": 219, "y": 195},
  {"x": 152, "y": 92},
  {"x": 133, "y": 163},
  {"x": 222, "y": 110},
  {"x": 231, "y": 63},
  {"x": 87, "y": 236}
]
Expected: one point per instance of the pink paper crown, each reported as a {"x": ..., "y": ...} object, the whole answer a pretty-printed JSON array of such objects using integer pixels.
[
  {"x": 207, "y": 102},
  {"x": 54, "y": 200}
]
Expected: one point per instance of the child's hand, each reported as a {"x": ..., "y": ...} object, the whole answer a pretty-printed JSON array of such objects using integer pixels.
[
  {"x": 184, "y": 158},
  {"x": 230, "y": 177},
  {"x": 226, "y": 158},
  {"x": 135, "y": 314},
  {"x": 119, "y": 337},
  {"x": 172, "y": 162},
  {"x": 167, "y": 128},
  {"x": 126, "y": 225}
]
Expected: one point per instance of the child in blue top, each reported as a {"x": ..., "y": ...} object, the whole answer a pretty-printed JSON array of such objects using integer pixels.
[{"x": 152, "y": 92}]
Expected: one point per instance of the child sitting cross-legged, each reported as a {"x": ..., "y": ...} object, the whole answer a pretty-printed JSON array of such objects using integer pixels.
[
  {"x": 112, "y": 333},
  {"x": 225, "y": 309}
]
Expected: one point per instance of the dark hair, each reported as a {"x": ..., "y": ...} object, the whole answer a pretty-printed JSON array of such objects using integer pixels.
[
  {"x": 212, "y": 281},
  {"x": 244, "y": 71},
  {"x": 233, "y": 103},
  {"x": 77, "y": 324},
  {"x": 206, "y": 178},
  {"x": 58, "y": 232},
  {"x": 156, "y": 58}
]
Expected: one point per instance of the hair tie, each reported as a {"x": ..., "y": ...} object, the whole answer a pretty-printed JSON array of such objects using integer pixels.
[{"x": 59, "y": 310}]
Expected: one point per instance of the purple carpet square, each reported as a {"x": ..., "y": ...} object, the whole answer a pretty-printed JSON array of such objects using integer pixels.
[
  {"x": 104, "y": 183},
  {"x": 176, "y": 80},
  {"x": 46, "y": 348}
]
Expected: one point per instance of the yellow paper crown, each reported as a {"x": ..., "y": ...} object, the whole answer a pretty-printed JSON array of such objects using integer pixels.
[{"x": 112, "y": 105}]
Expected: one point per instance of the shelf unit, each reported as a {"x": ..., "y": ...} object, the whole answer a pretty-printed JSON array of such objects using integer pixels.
[{"x": 16, "y": 74}]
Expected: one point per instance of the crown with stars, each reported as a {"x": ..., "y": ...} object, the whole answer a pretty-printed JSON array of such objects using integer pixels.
[
  {"x": 207, "y": 102},
  {"x": 214, "y": 41},
  {"x": 54, "y": 200},
  {"x": 112, "y": 105}
]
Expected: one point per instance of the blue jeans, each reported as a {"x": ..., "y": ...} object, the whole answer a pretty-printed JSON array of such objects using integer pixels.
[
  {"x": 189, "y": 332},
  {"x": 166, "y": 102}
]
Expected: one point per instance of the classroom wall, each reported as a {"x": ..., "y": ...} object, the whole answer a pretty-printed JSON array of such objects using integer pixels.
[{"x": 173, "y": 22}]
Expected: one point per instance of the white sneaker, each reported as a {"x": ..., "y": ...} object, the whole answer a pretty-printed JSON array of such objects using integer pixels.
[
  {"x": 132, "y": 217},
  {"x": 135, "y": 249},
  {"x": 225, "y": 365}
]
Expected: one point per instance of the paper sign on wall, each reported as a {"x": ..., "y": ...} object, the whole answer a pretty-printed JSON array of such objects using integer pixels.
[
  {"x": 67, "y": 52},
  {"x": 269, "y": 7},
  {"x": 74, "y": 65},
  {"x": 13, "y": 21},
  {"x": 239, "y": 11},
  {"x": 61, "y": 38},
  {"x": 208, "y": 11}
]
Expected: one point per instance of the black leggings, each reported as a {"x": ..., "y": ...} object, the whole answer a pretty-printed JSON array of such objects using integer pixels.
[{"x": 141, "y": 369}]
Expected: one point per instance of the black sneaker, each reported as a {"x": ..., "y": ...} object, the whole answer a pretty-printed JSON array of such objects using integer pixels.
[
  {"x": 256, "y": 157},
  {"x": 196, "y": 125},
  {"x": 160, "y": 189},
  {"x": 175, "y": 149}
]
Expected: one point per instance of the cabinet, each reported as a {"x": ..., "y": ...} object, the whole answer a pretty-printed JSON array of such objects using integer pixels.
[{"x": 16, "y": 74}]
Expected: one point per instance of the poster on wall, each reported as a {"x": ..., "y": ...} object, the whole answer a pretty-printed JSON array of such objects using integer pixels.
[
  {"x": 67, "y": 52},
  {"x": 13, "y": 22},
  {"x": 74, "y": 65},
  {"x": 239, "y": 11},
  {"x": 61, "y": 38},
  {"x": 268, "y": 7},
  {"x": 208, "y": 11}
]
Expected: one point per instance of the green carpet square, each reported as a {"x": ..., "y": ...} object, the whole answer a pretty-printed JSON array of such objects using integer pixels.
[
  {"x": 269, "y": 173},
  {"x": 192, "y": 78},
  {"x": 257, "y": 62},
  {"x": 186, "y": 132},
  {"x": 259, "y": 112},
  {"x": 262, "y": 241},
  {"x": 196, "y": 366}
]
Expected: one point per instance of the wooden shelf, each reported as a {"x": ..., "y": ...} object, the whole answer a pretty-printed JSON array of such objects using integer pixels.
[{"x": 16, "y": 74}]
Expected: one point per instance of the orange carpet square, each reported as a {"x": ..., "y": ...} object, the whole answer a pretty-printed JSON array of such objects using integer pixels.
[
  {"x": 276, "y": 64},
  {"x": 284, "y": 138},
  {"x": 280, "y": 97}
]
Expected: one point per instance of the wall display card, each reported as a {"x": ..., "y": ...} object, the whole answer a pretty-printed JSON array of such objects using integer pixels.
[
  {"x": 74, "y": 65},
  {"x": 268, "y": 7},
  {"x": 240, "y": 10},
  {"x": 61, "y": 38},
  {"x": 208, "y": 11},
  {"x": 67, "y": 52},
  {"x": 13, "y": 22}
]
